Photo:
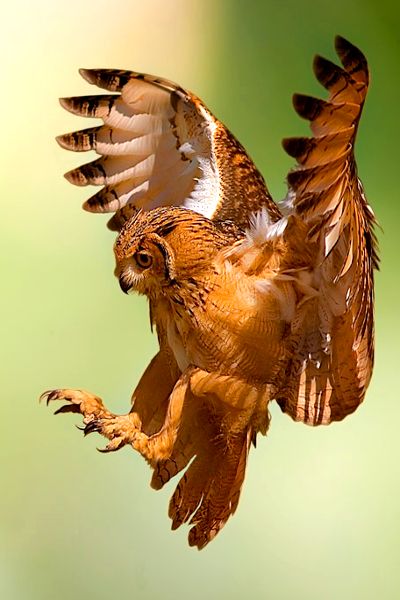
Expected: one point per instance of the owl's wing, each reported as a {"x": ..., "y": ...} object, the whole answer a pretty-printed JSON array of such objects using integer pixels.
[
  {"x": 159, "y": 145},
  {"x": 333, "y": 333}
]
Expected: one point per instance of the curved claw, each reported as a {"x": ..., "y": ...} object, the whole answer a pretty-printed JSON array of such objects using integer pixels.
[
  {"x": 112, "y": 446},
  {"x": 68, "y": 408},
  {"x": 91, "y": 427},
  {"x": 105, "y": 450},
  {"x": 49, "y": 395}
]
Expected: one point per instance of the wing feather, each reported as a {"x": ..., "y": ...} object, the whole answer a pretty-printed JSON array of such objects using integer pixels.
[
  {"x": 160, "y": 146},
  {"x": 332, "y": 336}
]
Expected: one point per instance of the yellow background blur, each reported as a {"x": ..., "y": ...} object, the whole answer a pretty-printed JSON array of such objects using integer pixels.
[{"x": 319, "y": 514}]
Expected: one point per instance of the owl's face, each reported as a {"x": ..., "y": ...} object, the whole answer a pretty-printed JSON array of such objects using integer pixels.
[
  {"x": 147, "y": 267},
  {"x": 167, "y": 245}
]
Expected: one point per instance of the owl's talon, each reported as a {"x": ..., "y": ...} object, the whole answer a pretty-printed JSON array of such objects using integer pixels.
[
  {"x": 114, "y": 445},
  {"x": 86, "y": 429},
  {"x": 68, "y": 408},
  {"x": 91, "y": 427},
  {"x": 48, "y": 396},
  {"x": 87, "y": 404},
  {"x": 119, "y": 430}
]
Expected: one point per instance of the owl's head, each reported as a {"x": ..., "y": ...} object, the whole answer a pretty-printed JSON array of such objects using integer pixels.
[{"x": 165, "y": 246}]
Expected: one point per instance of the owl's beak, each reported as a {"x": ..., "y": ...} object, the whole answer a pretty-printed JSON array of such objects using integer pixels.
[{"x": 124, "y": 285}]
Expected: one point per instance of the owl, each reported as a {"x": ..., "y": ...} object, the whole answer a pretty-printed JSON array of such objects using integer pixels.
[{"x": 253, "y": 301}]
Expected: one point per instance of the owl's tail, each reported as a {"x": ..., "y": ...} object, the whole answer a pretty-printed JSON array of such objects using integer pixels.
[{"x": 208, "y": 493}]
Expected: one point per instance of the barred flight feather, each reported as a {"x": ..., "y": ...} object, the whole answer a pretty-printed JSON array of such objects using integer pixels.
[
  {"x": 326, "y": 193},
  {"x": 168, "y": 135}
]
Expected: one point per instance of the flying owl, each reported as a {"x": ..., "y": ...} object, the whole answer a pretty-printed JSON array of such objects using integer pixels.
[{"x": 252, "y": 301}]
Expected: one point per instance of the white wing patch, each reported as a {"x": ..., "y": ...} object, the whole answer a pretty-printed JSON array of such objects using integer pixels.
[{"x": 156, "y": 145}]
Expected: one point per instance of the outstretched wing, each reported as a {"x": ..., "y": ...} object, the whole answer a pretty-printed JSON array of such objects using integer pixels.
[
  {"x": 160, "y": 146},
  {"x": 332, "y": 333}
]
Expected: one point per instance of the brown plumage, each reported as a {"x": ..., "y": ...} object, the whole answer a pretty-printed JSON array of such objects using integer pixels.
[{"x": 251, "y": 302}]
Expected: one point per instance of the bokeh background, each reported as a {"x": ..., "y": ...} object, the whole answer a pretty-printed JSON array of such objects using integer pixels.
[{"x": 319, "y": 516}]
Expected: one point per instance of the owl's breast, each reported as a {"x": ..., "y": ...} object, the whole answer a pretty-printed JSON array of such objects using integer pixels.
[{"x": 239, "y": 328}]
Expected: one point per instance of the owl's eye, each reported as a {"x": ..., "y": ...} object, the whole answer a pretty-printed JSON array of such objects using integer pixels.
[{"x": 143, "y": 260}]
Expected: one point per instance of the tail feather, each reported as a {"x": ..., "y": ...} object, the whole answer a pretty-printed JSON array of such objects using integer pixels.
[
  {"x": 209, "y": 491},
  {"x": 220, "y": 418}
]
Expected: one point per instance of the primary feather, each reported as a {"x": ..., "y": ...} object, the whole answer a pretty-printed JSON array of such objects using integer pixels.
[{"x": 161, "y": 146}]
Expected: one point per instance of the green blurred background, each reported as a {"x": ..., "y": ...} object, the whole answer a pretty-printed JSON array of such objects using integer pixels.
[{"x": 319, "y": 514}]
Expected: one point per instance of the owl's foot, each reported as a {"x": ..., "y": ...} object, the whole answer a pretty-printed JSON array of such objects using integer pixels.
[{"x": 118, "y": 429}]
